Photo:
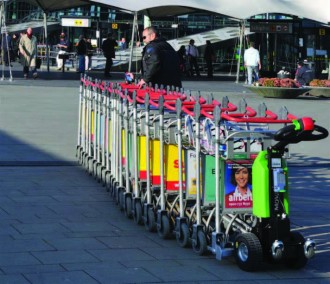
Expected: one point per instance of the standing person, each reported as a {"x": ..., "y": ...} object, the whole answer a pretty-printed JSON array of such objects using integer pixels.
[
  {"x": 28, "y": 50},
  {"x": 63, "y": 45},
  {"x": 81, "y": 52},
  {"x": 209, "y": 56},
  {"x": 182, "y": 59},
  {"x": 303, "y": 74},
  {"x": 160, "y": 62},
  {"x": 15, "y": 41},
  {"x": 192, "y": 54},
  {"x": 88, "y": 58},
  {"x": 252, "y": 61},
  {"x": 108, "y": 47},
  {"x": 6, "y": 48},
  {"x": 122, "y": 44}
]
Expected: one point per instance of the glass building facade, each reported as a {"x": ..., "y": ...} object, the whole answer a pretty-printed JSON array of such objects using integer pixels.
[{"x": 305, "y": 40}]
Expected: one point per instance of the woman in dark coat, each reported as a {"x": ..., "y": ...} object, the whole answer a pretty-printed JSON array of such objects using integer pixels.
[{"x": 209, "y": 57}]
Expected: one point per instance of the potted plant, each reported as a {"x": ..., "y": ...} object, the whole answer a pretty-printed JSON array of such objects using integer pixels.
[
  {"x": 320, "y": 88},
  {"x": 277, "y": 88}
]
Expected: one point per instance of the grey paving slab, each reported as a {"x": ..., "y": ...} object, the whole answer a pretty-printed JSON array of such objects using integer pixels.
[
  {"x": 68, "y": 256},
  {"x": 75, "y": 243},
  {"x": 40, "y": 228},
  {"x": 24, "y": 246},
  {"x": 129, "y": 242},
  {"x": 18, "y": 258},
  {"x": 61, "y": 277},
  {"x": 38, "y": 268},
  {"x": 121, "y": 254},
  {"x": 104, "y": 265},
  {"x": 17, "y": 279},
  {"x": 123, "y": 275}
]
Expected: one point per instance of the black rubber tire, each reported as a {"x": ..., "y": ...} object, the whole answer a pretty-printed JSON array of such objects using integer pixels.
[
  {"x": 200, "y": 244},
  {"x": 128, "y": 207},
  {"x": 248, "y": 252},
  {"x": 164, "y": 231},
  {"x": 108, "y": 182},
  {"x": 151, "y": 225},
  {"x": 116, "y": 193},
  {"x": 138, "y": 216},
  {"x": 99, "y": 173},
  {"x": 121, "y": 192},
  {"x": 296, "y": 260},
  {"x": 183, "y": 238}
]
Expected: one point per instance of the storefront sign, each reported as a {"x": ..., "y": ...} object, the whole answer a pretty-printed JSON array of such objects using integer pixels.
[
  {"x": 263, "y": 27},
  {"x": 76, "y": 22}
]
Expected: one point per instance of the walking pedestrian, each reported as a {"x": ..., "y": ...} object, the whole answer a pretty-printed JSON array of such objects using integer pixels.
[
  {"x": 252, "y": 62},
  {"x": 193, "y": 54},
  {"x": 108, "y": 47},
  {"x": 209, "y": 56},
  {"x": 88, "y": 58},
  {"x": 28, "y": 51},
  {"x": 81, "y": 52}
]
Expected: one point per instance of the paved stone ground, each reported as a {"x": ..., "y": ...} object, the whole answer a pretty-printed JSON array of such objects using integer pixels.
[{"x": 58, "y": 225}]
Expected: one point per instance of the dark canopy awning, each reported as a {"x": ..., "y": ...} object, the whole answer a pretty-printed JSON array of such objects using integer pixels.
[{"x": 53, "y": 5}]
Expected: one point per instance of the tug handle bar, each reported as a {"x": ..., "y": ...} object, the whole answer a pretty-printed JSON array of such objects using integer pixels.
[{"x": 301, "y": 130}]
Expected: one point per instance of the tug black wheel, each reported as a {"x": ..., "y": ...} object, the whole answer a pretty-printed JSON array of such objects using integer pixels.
[
  {"x": 248, "y": 252},
  {"x": 296, "y": 259}
]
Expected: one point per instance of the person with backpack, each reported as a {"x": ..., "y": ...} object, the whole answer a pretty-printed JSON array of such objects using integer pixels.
[{"x": 303, "y": 74}]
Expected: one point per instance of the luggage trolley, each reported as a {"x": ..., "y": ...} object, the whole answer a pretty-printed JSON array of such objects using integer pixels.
[
  {"x": 257, "y": 227},
  {"x": 216, "y": 205},
  {"x": 190, "y": 210},
  {"x": 163, "y": 187}
]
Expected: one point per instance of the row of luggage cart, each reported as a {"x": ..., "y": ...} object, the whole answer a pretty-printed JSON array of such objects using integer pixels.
[{"x": 210, "y": 173}]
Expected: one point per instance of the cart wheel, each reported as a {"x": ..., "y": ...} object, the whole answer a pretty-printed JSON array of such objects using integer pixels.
[
  {"x": 117, "y": 192},
  {"x": 297, "y": 259},
  {"x": 150, "y": 225},
  {"x": 99, "y": 174},
  {"x": 80, "y": 156},
  {"x": 183, "y": 238},
  {"x": 138, "y": 213},
  {"x": 200, "y": 245},
  {"x": 94, "y": 169},
  {"x": 248, "y": 252},
  {"x": 164, "y": 230},
  {"x": 90, "y": 165},
  {"x": 121, "y": 197},
  {"x": 128, "y": 207},
  {"x": 113, "y": 189},
  {"x": 108, "y": 182}
]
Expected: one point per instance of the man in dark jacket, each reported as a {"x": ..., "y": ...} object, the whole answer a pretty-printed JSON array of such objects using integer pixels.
[
  {"x": 81, "y": 52},
  {"x": 160, "y": 62},
  {"x": 108, "y": 47},
  {"x": 303, "y": 74}
]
